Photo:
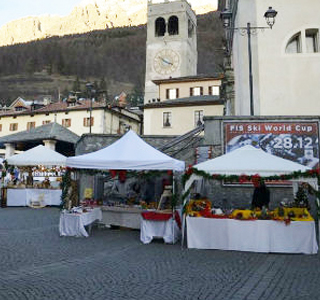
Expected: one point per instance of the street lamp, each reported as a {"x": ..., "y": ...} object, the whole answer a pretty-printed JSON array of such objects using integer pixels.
[
  {"x": 227, "y": 18},
  {"x": 90, "y": 92}
]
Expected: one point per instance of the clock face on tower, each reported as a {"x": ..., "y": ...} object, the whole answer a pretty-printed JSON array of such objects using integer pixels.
[{"x": 166, "y": 61}]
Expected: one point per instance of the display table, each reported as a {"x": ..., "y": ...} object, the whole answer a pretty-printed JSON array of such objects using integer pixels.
[
  {"x": 256, "y": 236},
  {"x": 73, "y": 224},
  {"x": 23, "y": 197},
  {"x": 160, "y": 225},
  {"x": 121, "y": 216}
]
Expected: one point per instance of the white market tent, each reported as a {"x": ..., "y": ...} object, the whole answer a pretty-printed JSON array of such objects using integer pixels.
[
  {"x": 247, "y": 160},
  {"x": 130, "y": 152},
  {"x": 39, "y": 155}
]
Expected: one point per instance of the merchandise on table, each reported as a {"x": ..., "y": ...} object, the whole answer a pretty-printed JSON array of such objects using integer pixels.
[{"x": 203, "y": 208}]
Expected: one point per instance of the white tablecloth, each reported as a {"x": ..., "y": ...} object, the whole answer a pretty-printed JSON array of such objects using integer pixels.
[
  {"x": 168, "y": 230},
  {"x": 257, "y": 236},
  {"x": 72, "y": 224},
  {"x": 22, "y": 197},
  {"x": 121, "y": 216}
]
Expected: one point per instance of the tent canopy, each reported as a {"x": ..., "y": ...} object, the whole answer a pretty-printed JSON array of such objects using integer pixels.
[
  {"x": 249, "y": 160},
  {"x": 130, "y": 152},
  {"x": 39, "y": 155}
]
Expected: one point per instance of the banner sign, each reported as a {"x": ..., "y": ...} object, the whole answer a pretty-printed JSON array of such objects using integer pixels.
[{"x": 295, "y": 141}]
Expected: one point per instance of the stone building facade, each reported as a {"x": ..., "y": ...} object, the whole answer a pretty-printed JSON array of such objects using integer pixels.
[{"x": 285, "y": 60}]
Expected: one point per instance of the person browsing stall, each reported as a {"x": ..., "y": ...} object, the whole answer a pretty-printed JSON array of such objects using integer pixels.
[{"x": 261, "y": 195}]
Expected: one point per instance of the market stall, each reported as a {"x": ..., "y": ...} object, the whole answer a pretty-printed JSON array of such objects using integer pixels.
[
  {"x": 160, "y": 225},
  {"x": 123, "y": 216},
  {"x": 74, "y": 222},
  {"x": 20, "y": 196},
  {"x": 129, "y": 153},
  {"x": 288, "y": 229},
  {"x": 38, "y": 182}
]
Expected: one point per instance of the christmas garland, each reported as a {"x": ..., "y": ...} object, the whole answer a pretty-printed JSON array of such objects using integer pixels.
[
  {"x": 245, "y": 178},
  {"x": 122, "y": 175},
  {"x": 65, "y": 184},
  {"x": 314, "y": 173}
]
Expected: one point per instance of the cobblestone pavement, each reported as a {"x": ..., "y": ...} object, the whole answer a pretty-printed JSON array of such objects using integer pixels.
[{"x": 36, "y": 263}]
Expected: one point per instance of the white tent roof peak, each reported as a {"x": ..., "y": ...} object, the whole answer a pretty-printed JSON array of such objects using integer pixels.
[
  {"x": 130, "y": 152},
  {"x": 249, "y": 160},
  {"x": 39, "y": 155}
]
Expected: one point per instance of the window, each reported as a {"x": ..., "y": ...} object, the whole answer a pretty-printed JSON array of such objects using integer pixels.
[
  {"x": 66, "y": 122},
  {"x": 13, "y": 127},
  {"x": 167, "y": 119},
  {"x": 19, "y": 108},
  {"x": 294, "y": 44},
  {"x": 198, "y": 118},
  {"x": 312, "y": 41},
  {"x": 86, "y": 122},
  {"x": 31, "y": 125},
  {"x": 196, "y": 91},
  {"x": 172, "y": 93},
  {"x": 306, "y": 41},
  {"x": 160, "y": 27},
  {"x": 173, "y": 25},
  {"x": 214, "y": 90},
  {"x": 46, "y": 122}
]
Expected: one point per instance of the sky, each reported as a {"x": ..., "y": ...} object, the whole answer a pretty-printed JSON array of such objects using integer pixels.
[{"x": 16, "y": 9}]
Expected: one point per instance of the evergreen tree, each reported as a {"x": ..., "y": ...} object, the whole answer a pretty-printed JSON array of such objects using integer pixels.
[
  {"x": 301, "y": 199},
  {"x": 30, "y": 66},
  {"x": 136, "y": 97},
  {"x": 76, "y": 85},
  {"x": 103, "y": 89}
]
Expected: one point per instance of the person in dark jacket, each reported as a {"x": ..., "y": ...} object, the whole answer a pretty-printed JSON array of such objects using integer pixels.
[{"x": 261, "y": 196}]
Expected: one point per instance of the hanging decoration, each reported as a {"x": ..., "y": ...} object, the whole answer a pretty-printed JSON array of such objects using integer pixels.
[
  {"x": 113, "y": 173},
  {"x": 253, "y": 178},
  {"x": 122, "y": 176},
  {"x": 65, "y": 185},
  {"x": 314, "y": 173}
]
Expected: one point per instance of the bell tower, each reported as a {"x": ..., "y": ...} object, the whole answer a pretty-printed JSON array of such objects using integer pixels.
[{"x": 171, "y": 49}]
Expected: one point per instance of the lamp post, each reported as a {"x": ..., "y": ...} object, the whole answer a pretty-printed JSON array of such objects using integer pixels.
[
  {"x": 227, "y": 18},
  {"x": 90, "y": 91}
]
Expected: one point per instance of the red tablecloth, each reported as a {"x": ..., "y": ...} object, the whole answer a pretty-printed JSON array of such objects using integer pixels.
[{"x": 157, "y": 216}]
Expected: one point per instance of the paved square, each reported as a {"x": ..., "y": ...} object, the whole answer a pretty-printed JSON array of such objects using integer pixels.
[{"x": 36, "y": 263}]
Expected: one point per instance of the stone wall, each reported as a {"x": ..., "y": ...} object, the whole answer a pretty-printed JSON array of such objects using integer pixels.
[{"x": 185, "y": 150}]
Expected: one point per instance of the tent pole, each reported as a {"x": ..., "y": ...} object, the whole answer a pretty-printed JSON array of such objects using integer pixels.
[{"x": 173, "y": 208}]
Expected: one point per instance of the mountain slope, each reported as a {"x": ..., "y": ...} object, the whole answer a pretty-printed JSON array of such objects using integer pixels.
[
  {"x": 89, "y": 15},
  {"x": 116, "y": 55}
]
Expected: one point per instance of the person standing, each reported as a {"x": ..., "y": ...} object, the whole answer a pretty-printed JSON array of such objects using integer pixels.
[{"x": 261, "y": 196}]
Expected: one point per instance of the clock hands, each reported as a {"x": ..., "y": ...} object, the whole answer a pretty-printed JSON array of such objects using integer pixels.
[{"x": 166, "y": 61}]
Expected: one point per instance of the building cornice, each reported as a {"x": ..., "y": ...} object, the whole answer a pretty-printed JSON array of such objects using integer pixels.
[
  {"x": 189, "y": 79},
  {"x": 175, "y": 103}
]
